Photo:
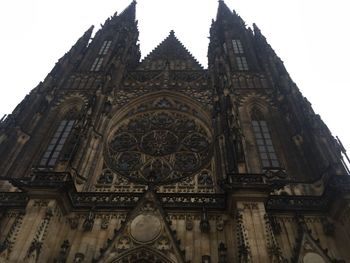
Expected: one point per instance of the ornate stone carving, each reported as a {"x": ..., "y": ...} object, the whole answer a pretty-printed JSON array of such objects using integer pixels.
[
  {"x": 73, "y": 222},
  {"x": 206, "y": 259},
  {"x": 189, "y": 223},
  {"x": 205, "y": 179},
  {"x": 163, "y": 243},
  {"x": 219, "y": 224},
  {"x": 274, "y": 249},
  {"x": 145, "y": 228},
  {"x": 106, "y": 177},
  {"x": 204, "y": 223},
  {"x": 275, "y": 225},
  {"x": 159, "y": 147},
  {"x": 36, "y": 245},
  {"x": 104, "y": 222},
  {"x": 244, "y": 254},
  {"x": 222, "y": 251},
  {"x": 89, "y": 222},
  {"x": 7, "y": 244},
  {"x": 78, "y": 258},
  {"x": 123, "y": 243},
  {"x": 63, "y": 254},
  {"x": 34, "y": 249},
  {"x": 250, "y": 206},
  {"x": 40, "y": 203}
]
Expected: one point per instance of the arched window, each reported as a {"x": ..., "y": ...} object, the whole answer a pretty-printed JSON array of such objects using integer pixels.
[
  {"x": 241, "y": 60},
  {"x": 104, "y": 49},
  {"x": 263, "y": 140},
  {"x": 58, "y": 140}
]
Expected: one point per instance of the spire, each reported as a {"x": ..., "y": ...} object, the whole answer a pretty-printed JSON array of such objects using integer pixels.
[
  {"x": 80, "y": 45},
  {"x": 127, "y": 15},
  {"x": 74, "y": 54},
  {"x": 83, "y": 41},
  {"x": 267, "y": 53},
  {"x": 262, "y": 42},
  {"x": 170, "y": 51},
  {"x": 224, "y": 14},
  {"x": 129, "y": 12},
  {"x": 223, "y": 10},
  {"x": 257, "y": 33}
]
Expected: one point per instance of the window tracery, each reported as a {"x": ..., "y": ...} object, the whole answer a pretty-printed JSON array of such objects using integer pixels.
[
  {"x": 162, "y": 144},
  {"x": 57, "y": 142},
  {"x": 263, "y": 140}
]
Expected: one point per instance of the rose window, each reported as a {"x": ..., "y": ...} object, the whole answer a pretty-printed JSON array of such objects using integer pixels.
[{"x": 158, "y": 147}]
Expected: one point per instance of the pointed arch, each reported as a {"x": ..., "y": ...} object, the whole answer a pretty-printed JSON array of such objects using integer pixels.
[
  {"x": 74, "y": 101},
  {"x": 258, "y": 110},
  {"x": 178, "y": 100},
  {"x": 264, "y": 142},
  {"x": 142, "y": 254},
  {"x": 256, "y": 114},
  {"x": 65, "y": 117}
]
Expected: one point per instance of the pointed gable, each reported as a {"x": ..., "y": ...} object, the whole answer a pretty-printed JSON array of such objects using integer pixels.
[
  {"x": 144, "y": 235},
  {"x": 170, "y": 53}
]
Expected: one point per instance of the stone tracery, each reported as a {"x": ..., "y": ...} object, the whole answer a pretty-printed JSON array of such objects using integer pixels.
[{"x": 159, "y": 142}]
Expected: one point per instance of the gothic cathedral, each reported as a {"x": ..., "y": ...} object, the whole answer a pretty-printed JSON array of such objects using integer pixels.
[{"x": 112, "y": 159}]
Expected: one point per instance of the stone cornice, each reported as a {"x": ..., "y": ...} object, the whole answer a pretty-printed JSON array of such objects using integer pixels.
[{"x": 60, "y": 185}]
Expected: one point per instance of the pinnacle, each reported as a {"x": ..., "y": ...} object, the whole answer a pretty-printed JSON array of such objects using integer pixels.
[
  {"x": 224, "y": 13},
  {"x": 84, "y": 39},
  {"x": 89, "y": 31},
  {"x": 223, "y": 10},
  {"x": 129, "y": 11}
]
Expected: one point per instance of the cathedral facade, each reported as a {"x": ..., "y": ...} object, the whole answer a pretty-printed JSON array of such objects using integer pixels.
[{"x": 112, "y": 159}]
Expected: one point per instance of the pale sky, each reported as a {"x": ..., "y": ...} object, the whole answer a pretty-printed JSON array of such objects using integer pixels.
[{"x": 310, "y": 36}]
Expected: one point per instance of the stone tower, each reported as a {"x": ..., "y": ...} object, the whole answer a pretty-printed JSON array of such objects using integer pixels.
[{"x": 113, "y": 159}]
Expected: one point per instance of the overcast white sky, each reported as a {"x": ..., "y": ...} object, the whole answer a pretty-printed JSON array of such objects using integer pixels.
[{"x": 311, "y": 37}]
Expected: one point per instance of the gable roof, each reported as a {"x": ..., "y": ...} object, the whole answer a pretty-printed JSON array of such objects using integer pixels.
[{"x": 172, "y": 53}]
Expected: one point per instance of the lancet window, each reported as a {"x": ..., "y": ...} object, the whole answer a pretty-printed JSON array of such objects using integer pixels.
[
  {"x": 237, "y": 46},
  {"x": 242, "y": 63},
  {"x": 241, "y": 60},
  {"x": 263, "y": 140},
  {"x": 96, "y": 65},
  {"x": 105, "y": 47},
  {"x": 57, "y": 142}
]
